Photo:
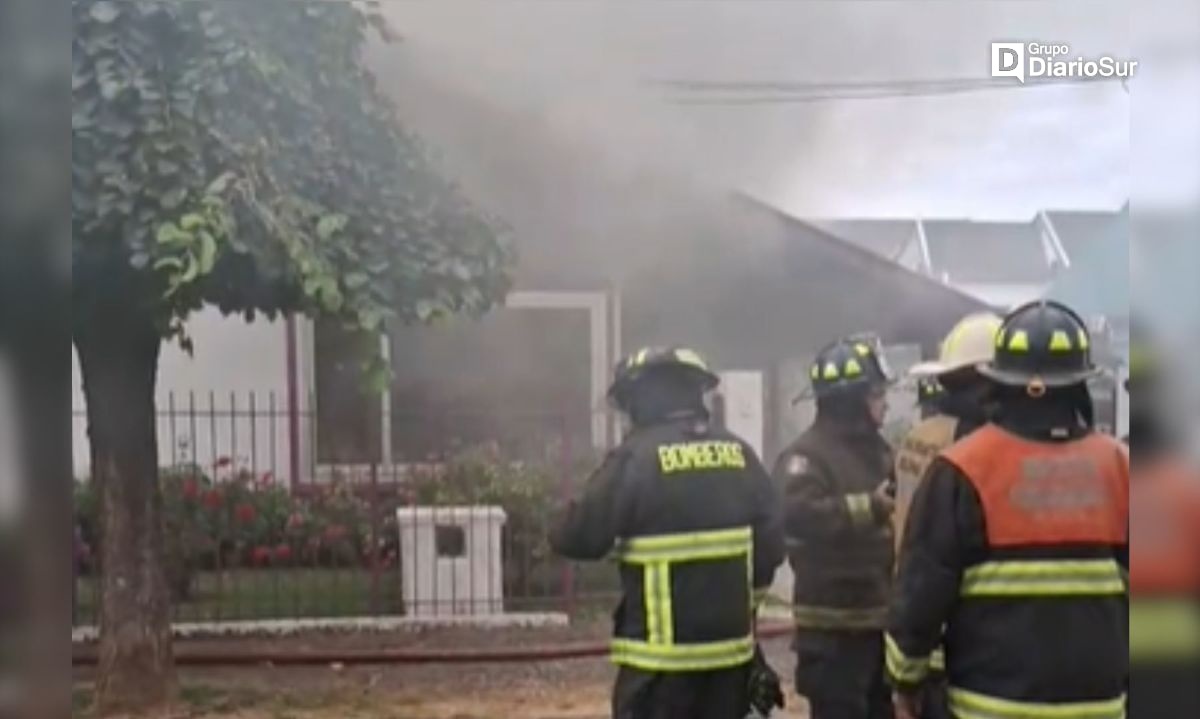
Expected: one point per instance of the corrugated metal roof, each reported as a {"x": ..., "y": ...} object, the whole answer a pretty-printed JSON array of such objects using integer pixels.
[{"x": 966, "y": 251}]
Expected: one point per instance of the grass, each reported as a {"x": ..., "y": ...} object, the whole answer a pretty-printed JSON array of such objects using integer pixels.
[{"x": 249, "y": 594}]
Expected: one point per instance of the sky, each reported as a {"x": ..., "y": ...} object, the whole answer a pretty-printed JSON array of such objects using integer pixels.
[{"x": 590, "y": 73}]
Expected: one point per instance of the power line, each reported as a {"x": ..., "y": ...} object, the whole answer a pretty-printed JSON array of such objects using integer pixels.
[{"x": 705, "y": 92}]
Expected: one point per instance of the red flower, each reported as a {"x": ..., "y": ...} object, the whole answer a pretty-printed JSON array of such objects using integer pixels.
[
  {"x": 261, "y": 556},
  {"x": 334, "y": 533},
  {"x": 283, "y": 553},
  {"x": 222, "y": 462},
  {"x": 267, "y": 479},
  {"x": 213, "y": 499},
  {"x": 296, "y": 521},
  {"x": 245, "y": 513},
  {"x": 190, "y": 489}
]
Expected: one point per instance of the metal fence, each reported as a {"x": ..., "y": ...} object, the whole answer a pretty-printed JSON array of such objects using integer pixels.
[{"x": 259, "y": 526}]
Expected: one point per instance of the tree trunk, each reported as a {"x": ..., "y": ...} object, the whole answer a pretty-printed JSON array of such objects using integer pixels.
[{"x": 118, "y": 357}]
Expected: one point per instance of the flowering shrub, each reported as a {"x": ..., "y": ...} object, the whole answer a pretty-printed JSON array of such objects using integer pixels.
[{"x": 224, "y": 516}]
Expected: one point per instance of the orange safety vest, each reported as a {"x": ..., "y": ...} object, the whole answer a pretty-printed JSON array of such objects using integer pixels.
[{"x": 1046, "y": 494}]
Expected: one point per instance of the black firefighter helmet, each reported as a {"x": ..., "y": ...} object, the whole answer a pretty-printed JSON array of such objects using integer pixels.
[
  {"x": 849, "y": 364},
  {"x": 929, "y": 391},
  {"x": 651, "y": 360},
  {"x": 1041, "y": 344}
]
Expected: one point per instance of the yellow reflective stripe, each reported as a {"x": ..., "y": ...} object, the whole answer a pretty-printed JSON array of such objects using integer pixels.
[
  {"x": 859, "y": 506},
  {"x": 686, "y": 546},
  {"x": 666, "y": 613},
  {"x": 937, "y": 660},
  {"x": 901, "y": 667},
  {"x": 1062, "y": 577},
  {"x": 682, "y": 657},
  {"x": 834, "y": 618},
  {"x": 651, "y": 601},
  {"x": 970, "y": 705},
  {"x": 1164, "y": 629}
]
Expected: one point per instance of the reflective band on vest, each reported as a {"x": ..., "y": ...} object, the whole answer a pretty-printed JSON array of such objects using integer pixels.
[
  {"x": 1052, "y": 578},
  {"x": 683, "y": 657},
  {"x": 969, "y": 705},
  {"x": 901, "y": 667},
  {"x": 812, "y": 617},
  {"x": 656, "y": 555},
  {"x": 937, "y": 660},
  {"x": 1047, "y": 494},
  {"x": 1164, "y": 629}
]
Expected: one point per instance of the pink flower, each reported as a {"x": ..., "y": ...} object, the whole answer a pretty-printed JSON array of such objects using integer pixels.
[
  {"x": 222, "y": 462},
  {"x": 245, "y": 513},
  {"x": 261, "y": 556},
  {"x": 213, "y": 499},
  {"x": 283, "y": 553},
  {"x": 267, "y": 479},
  {"x": 190, "y": 489}
]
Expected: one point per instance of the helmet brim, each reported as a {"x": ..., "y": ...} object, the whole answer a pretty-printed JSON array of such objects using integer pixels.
[
  {"x": 928, "y": 369},
  {"x": 1020, "y": 379}
]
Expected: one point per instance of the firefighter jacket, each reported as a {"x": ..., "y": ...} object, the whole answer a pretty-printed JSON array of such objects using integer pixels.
[
  {"x": 929, "y": 438},
  {"x": 1164, "y": 609},
  {"x": 839, "y": 535},
  {"x": 692, "y": 518},
  {"x": 1014, "y": 557}
]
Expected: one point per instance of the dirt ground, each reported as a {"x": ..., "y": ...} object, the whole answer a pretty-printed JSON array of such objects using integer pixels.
[{"x": 564, "y": 689}]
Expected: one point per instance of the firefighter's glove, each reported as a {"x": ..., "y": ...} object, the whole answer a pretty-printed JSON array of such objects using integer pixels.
[
  {"x": 883, "y": 500},
  {"x": 766, "y": 692}
]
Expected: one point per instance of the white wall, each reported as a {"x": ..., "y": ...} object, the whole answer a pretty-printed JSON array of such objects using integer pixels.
[{"x": 232, "y": 357}]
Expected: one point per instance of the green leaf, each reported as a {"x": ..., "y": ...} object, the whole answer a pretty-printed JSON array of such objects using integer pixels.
[
  {"x": 357, "y": 280},
  {"x": 208, "y": 252},
  {"x": 104, "y": 11},
  {"x": 169, "y": 234},
  {"x": 168, "y": 263},
  {"x": 139, "y": 260},
  {"x": 218, "y": 186},
  {"x": 191, "y": 222},
  {"x": 173, "y": 198},
  {"x": 328, "y": 225}
]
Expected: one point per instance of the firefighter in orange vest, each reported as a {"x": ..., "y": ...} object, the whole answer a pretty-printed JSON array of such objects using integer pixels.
[
  {"x": 1164, "y": 518},
  {"x": 960, "y": 407},
  {"x": 838, "y": 505},
  {"x": 1015, "y": 552}
]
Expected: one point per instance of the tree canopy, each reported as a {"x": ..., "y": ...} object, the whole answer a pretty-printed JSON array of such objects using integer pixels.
[
  {"x": 236, "y": 154},
  {"x": 240, "y": 154}
]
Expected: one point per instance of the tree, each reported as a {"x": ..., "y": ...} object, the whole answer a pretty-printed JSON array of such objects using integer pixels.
[{"x": 235, "y": 154}]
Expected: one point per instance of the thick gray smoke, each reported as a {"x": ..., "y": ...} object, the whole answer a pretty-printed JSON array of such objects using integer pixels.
[{"x": 584, "y": 73}]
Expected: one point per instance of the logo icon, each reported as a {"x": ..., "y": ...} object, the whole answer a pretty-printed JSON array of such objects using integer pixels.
[{"x": 1008, "y": 60}]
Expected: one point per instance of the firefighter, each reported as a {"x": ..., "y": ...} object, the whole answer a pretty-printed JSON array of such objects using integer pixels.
[
  {"x": 1015, "y": 550},
  {"x": 838, "y": 506},
  {"x": 959, "y": 408},
  {"x": 1164, "y": 517},
  {"x": 929, "y": 395},
  {"x": 692, "y": 518}
]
